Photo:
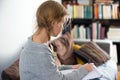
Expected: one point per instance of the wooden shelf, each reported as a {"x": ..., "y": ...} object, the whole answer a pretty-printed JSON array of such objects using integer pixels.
[{"x": 80, "y": 21}]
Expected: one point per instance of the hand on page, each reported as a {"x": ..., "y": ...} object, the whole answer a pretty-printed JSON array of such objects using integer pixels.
[{"x": 88, "y": 66}]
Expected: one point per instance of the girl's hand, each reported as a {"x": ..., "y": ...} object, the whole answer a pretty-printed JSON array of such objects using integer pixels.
[{"x": 89, "y": 66}]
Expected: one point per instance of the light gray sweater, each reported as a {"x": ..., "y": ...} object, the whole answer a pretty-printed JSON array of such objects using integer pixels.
[{"x": 37, "y": 63}]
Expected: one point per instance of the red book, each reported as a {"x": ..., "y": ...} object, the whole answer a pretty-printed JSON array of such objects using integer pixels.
[{"x": 96, "y": 11}]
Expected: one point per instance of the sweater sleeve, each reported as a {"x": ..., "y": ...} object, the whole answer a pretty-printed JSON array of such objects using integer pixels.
[
  {"x": 55, "y": 74},
  {"x": 64, "y": 67}
]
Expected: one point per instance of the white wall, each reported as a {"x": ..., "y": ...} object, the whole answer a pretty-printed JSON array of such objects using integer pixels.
[{"x": 17, "y": 22}]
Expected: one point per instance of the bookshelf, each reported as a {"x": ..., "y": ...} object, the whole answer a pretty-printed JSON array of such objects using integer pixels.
[{"x": 87, "y": 19}]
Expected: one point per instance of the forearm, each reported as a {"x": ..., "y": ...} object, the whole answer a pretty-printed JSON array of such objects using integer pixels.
[
  {"x": 64, "y": 67},
  {"x": 77, "y": 74}
]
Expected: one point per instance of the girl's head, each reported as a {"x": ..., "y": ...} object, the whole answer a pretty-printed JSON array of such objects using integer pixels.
[{"x": 51, "y": 16}]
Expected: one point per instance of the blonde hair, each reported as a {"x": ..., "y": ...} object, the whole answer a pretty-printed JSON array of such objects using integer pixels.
[{"x": 48, "y": 12}]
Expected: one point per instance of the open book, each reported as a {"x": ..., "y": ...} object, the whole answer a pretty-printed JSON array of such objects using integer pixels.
[{"x": 91, "y": 75}]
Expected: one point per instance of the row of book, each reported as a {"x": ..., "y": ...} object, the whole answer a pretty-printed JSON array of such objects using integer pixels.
[
  {"x": 85, "y": 2},
  {"x": 95, "y": 31},
  {"x": 97, "y": 11}
]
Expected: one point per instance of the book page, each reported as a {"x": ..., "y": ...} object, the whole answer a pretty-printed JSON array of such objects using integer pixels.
[{"x": 91, "y": 75}]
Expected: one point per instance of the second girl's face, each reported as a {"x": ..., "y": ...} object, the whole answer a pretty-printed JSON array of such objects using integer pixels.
[{"x": 57, "y": 27}]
